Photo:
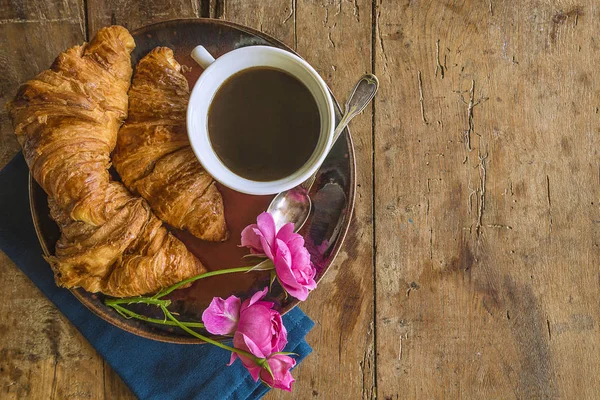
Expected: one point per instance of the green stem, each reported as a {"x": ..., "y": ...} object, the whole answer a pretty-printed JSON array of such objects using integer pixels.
[
  {"x": 163, "y": 304},
  {"x": 130, "y": 313},
  {"x": 208, "y": 340},
  {"x": 141, "y": 299},
  {"x": 176, "y": 286}
]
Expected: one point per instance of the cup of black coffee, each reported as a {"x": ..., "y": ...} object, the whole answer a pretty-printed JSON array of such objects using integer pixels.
[{"x": 260, "y": 119}]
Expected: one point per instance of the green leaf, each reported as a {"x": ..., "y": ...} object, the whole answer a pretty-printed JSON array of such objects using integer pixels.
[
  {"x": 266, "y": 384},
  {"x": 273, "y": 277},
  {"x": 260, "y": 256},
  {"x": 265, "y": 365},
  {"x": 265, "y": 265},
  {"x": 286, "y": 353}
]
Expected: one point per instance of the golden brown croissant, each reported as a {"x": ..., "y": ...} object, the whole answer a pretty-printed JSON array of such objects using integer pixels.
[
  {"x": 153, "y": 154},
  {"x": 131, "y": 254},
  {"x": 66, "y": 120}
]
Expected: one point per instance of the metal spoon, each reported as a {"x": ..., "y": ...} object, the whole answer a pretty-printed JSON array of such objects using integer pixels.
[{"x": 294, "y": 205}]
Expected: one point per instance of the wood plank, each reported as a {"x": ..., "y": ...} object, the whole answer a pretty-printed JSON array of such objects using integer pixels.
[
  {"x": 273, "y": 18},
  {"x": 335, "y": 37},
  {"x": 135, "y": 14},
  {"x": 41, "y": 355},
  {"x": 336, "y": 40},
  {"x": 486, "y": 165}
]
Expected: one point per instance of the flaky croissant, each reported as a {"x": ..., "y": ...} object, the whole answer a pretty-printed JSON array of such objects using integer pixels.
[
  {"x": 131, "y": 254},
  {"x": 66, "y": 119},
  {"x": 153, "y": 155}
]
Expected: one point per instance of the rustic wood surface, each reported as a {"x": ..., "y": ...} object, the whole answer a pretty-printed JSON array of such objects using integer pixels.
[{"x": 472, "y": 268}]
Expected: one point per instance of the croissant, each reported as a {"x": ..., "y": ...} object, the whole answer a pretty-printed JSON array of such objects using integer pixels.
[
  {"x": 153, "y": 155},
  {"x": 66, "y": 120},
  {"x": 131, "y": 254}
]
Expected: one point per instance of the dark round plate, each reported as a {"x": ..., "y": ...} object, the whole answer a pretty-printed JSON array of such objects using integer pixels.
[{"x": 332, "y": 194}]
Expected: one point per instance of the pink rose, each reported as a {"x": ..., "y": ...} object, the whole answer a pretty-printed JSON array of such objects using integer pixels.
[
  {"x": 260, "y": 331},
  {"x": 286, "y": 249},
  {"x": 221, "y": 317},
  {"x": 280, "y": 367}
]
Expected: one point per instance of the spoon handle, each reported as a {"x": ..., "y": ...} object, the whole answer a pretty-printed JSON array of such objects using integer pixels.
[{"x": 359, "y": 98}]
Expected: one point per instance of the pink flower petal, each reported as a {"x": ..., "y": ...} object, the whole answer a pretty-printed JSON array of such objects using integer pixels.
[
  {"x": 250, "y": 365},
  {"x": 240, "y": 343},
  {"x": 251, "y": 240},
  {"x": 268, "y": 230},
  {"x": 278, "y": 332},
  {"x": 295, "y": 242},
  {"x": 221, "y": 317},
  {"x": 266, "y": 224},
  {"x": 260, "y": 332},
  {"x": 254, "y": 371},
  {"x": 301, "y": 259},
  {"x": 233, "y": 357},
  {"x": 286, "y": 275},
  {"x": 256, "y": 297},
  {"x": 253, "y": 347},
  {"x": 287, "y": 250},
  {"x": 283, "y": 253},
  {"x": 286, "y": 232}
]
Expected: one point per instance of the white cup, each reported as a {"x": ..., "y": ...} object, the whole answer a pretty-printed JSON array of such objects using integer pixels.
[{"x": 215, "y": 74}]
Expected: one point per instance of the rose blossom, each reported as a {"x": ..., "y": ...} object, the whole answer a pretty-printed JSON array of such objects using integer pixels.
[
  {"x": 280, "y": 367},
  {"x": 286, "y": 249},
  {"x": 260, "y": 330}
]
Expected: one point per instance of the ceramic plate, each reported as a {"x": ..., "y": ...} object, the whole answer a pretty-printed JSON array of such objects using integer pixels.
[{"x": 332, "y": 194}]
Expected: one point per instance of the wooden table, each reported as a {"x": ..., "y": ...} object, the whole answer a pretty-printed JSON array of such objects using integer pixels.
[{"x": 471, "y": 269}]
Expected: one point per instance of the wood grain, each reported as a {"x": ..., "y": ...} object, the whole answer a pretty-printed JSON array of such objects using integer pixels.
[
  {"x": 135, "y": 14},
  {"x": 486, "y": 193}
]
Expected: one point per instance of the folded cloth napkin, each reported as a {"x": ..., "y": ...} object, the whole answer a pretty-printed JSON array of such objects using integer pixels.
[{"x": 152, "y": 370}]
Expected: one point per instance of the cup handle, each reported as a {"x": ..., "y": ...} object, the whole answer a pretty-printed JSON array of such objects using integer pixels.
[{"x": 202, "y": 56}]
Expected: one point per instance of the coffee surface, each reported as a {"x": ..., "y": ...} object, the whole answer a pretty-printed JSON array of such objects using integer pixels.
[{"x": 263, "y": 124}]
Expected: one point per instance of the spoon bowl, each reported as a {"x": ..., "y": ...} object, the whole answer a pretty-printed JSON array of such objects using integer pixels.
[{"x": 293, "y": 205}]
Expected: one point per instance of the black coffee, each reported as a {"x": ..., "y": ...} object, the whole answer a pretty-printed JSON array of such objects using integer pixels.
[{"x": 263, "y": 124}]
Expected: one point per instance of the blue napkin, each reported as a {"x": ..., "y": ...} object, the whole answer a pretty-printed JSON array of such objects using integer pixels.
[{"x": 152, "y": 370}]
